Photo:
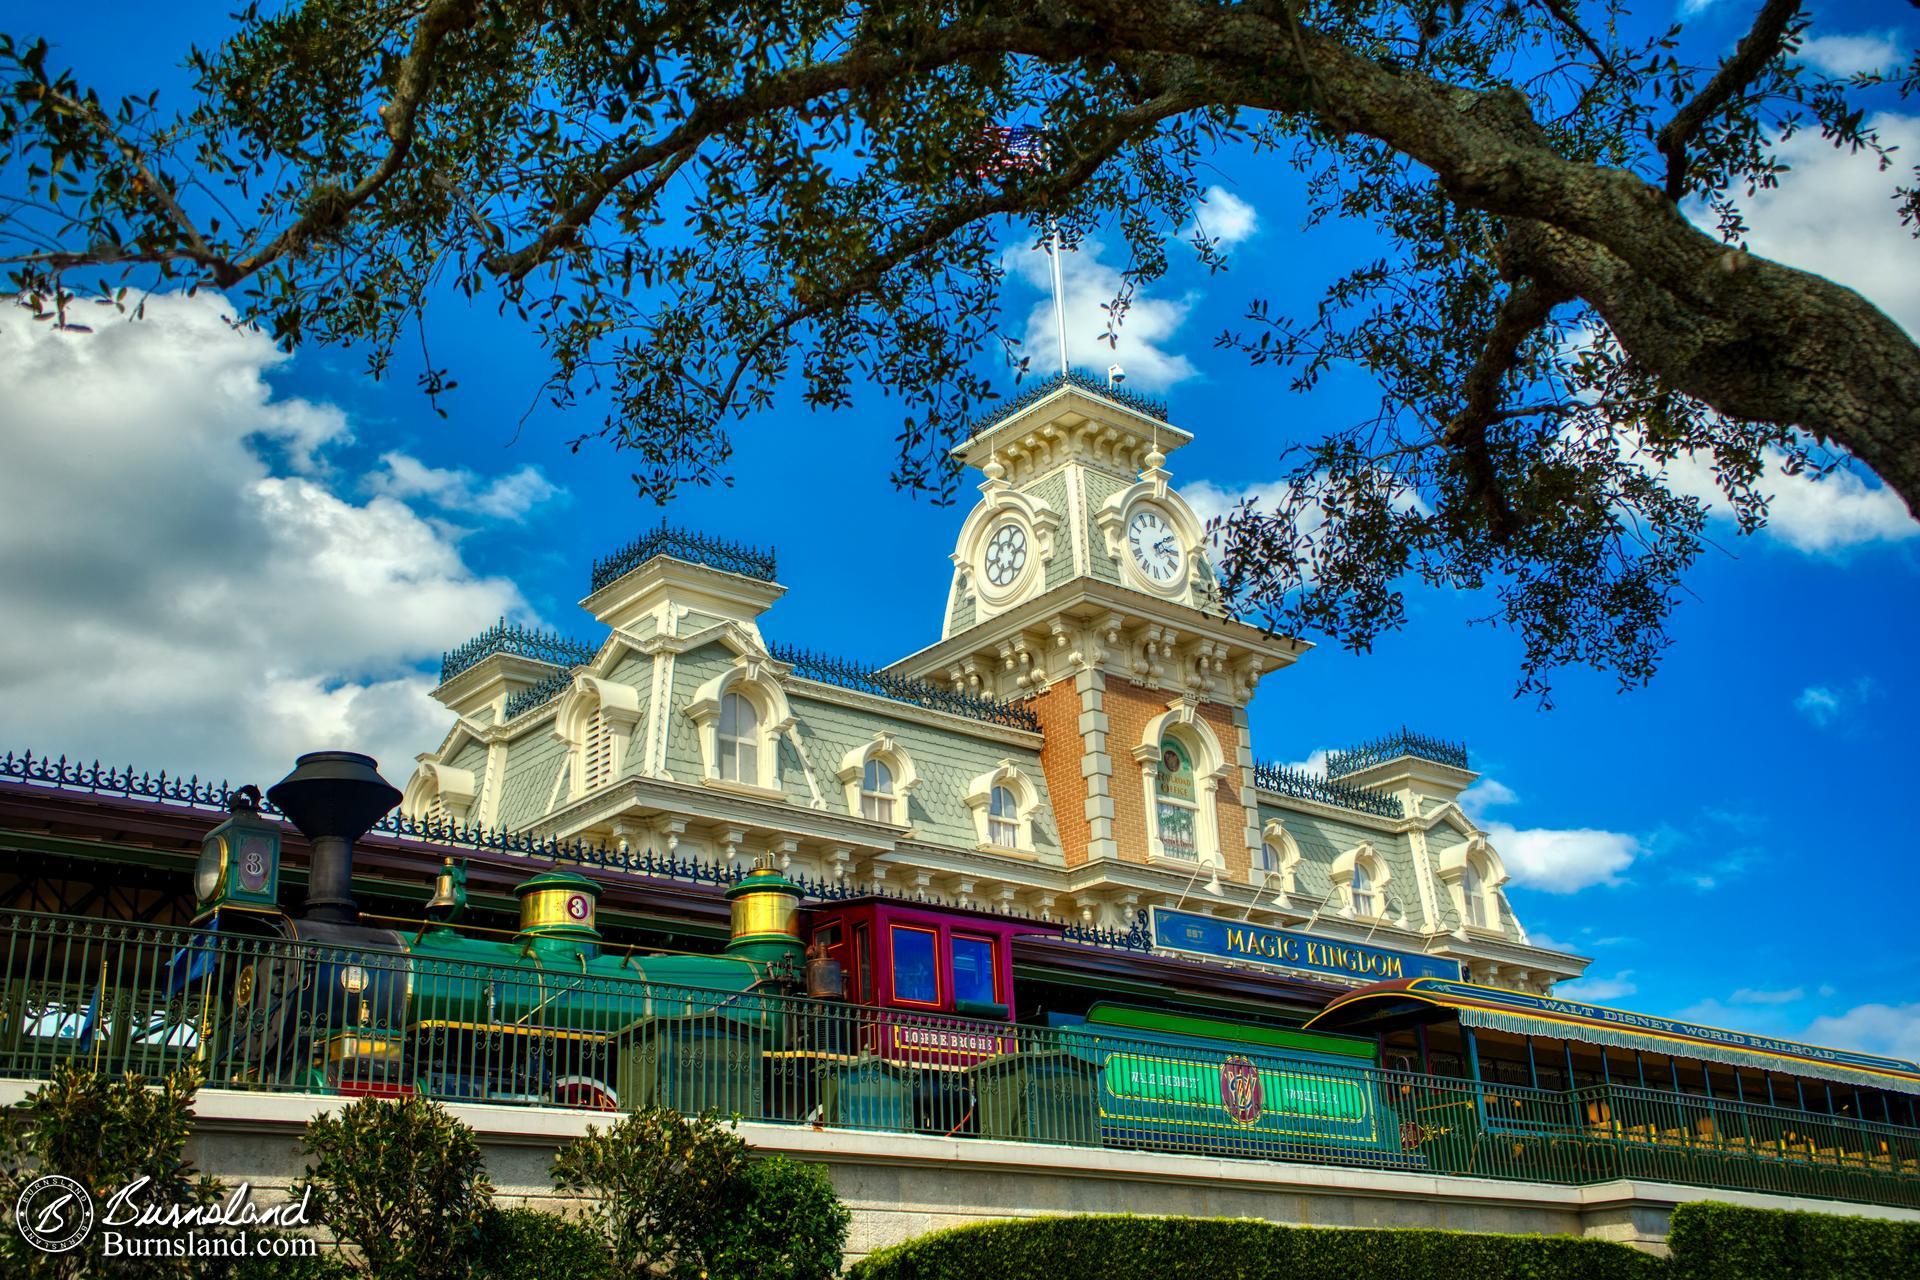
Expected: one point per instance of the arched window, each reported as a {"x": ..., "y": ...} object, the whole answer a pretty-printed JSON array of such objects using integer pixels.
[
  {"x": 1176, "y": 812},
  {"x": 876, "y": 791},
  {"x": 738, "y": 740},
  {"x": 1365, "y": 900},
  {"x": 1268, "y": 859},
  {"x": 1003, "y": 818},
  {"x": 1474, "y": 892}
]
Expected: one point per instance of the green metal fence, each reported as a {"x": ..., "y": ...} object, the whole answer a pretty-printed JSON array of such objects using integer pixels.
[{"x": 296, "y": 1017}]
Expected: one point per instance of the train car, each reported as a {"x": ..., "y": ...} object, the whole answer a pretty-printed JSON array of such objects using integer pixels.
[
  {"x": 1528, "y": 1083},
  {"x": 1182, "y": 1082}
]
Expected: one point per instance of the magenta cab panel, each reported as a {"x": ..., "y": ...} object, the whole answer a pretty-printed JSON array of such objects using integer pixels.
[{"x": 938, "y": 973}]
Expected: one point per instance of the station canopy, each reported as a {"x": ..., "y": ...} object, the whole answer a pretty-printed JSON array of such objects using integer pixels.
[{"x": 1385, "y": 1006}]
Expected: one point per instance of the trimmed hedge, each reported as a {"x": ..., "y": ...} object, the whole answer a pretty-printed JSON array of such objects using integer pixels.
[
  {"x": 1121, "y": 1248},
  {"x": 1712, "y": 1241}
]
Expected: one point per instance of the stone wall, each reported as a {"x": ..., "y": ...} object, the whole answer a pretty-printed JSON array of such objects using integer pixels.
[{"x": 902, "y": 1185}]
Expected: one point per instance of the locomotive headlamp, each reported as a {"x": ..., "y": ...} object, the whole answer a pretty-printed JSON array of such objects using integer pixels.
[{"x": 354, "y": 979}]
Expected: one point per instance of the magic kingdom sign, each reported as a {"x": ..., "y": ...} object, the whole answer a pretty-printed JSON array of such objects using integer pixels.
[{"x": 1214, "y": 939}]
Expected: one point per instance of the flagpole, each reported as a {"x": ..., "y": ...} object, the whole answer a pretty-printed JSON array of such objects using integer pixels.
[{"x": 1059, "y": 296}]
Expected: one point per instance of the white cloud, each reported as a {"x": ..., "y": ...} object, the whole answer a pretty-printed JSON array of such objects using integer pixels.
[
  {"x": 1488, "y": 793},
  {"x": 1834, "y": 213},
  {"x": 174, "y": 602},
  {"x": 1211, "y": 502},
  {"x": 1599, "y": 990},
  {"x": 1815, "y": 514},
  {"x": 1875, "y": 1028},
  {"x": 1839, "y": 55},
  {"x": 508, "y": 497},
  {"x": 1823, "y": 703},
  {"x": 1563, "y": 861},
  {"x": 1225, "y": 217},
  {"x": 1145, "y": 334},
  {"x": 1751, "y": 995},
  {"x": 1818, "y": 704},
  {"x": 1694, "y": 8}
]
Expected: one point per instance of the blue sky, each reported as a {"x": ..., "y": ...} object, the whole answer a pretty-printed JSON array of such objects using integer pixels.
[{"x": 215, "y": 558}]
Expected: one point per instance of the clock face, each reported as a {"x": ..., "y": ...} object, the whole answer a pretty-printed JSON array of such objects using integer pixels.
[
  {"x": 1006, "y": 554},
  {"x": 1155, "y": 546},
  {"x": 207, "y": 873}
]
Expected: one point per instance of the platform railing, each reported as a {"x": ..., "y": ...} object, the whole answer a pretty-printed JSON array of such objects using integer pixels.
[{"x": 300, "y": 1017}]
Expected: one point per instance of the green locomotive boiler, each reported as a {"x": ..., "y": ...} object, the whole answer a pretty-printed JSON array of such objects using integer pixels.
[{"x": 547, "y": 1016}]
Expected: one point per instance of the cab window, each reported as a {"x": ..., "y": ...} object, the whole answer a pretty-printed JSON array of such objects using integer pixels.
[
  {"x": 916, "y": 978},
  {"x": 973, "y": 970},
  {"x": 863, "y": 964}
]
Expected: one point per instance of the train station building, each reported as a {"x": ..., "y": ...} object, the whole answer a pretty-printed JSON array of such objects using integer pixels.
[{"x": 1074, "y": 745}]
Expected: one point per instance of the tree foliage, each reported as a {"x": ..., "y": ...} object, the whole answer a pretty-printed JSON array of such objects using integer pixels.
[{"x": 694, "y": 205}]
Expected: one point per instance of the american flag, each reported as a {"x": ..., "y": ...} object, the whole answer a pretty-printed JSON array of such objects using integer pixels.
[{"x": 1011, "y": 149}]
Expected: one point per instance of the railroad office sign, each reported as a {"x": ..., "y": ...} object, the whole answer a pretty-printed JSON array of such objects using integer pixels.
[{"x": 1198, "y": 935}]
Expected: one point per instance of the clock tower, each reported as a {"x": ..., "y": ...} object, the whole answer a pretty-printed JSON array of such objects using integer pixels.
[{"x": 1082, "y": 585}]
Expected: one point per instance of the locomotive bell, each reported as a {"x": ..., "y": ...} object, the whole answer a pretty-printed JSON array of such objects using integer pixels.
[{"x": 333, "y": 797}]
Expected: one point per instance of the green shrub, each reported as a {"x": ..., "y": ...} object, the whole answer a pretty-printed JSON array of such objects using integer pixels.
[
  {"x": 782, "y": 1222},
  {"x": 526, "y": 1244},
  {"x": 324, "y": 1265},
  {"x": 1712, "y": 1241},
  {"x": 683, "y": 1198},
  {"x": 404, "y": 1181},
  {"x": 104, "y": 1132},
  {"x": 1113, "y": 1248}
]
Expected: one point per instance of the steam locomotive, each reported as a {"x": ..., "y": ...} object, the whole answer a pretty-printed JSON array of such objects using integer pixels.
[{"x": 890, "y": 1015}]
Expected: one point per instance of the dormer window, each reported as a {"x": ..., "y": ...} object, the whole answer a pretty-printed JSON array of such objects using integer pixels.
[
  {"x": 876, "y": 791},
  {"x": 1003, "y": 818},
  {"x": 1475, "y": 894},
  {"x": 740, "y": 717},
  {"x": 880, "y": 780},
  {"x": 1003, "y": 803},
  {"x": 1363, "y": 878},
  {"x": 738, "y": 741},
  {"x": 1365, "y": 902}
]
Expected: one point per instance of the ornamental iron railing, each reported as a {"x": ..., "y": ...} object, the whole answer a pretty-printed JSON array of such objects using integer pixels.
[
  {"x": 1285, "y": 780},
  {"x": 549, "y": 647},
  {"x": 538, "y": 694},
  {"x": 97, "y": 779},
  {"x": 1391, "y": 747},
  {"x": 684, "y": 544},
  {"x": 278, "y": 1016},
  {"x": 864, "y": 679},
  {"x": 1038, "y": 389}
]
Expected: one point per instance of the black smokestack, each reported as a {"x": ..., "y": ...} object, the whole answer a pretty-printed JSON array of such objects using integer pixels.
[{"x": 333, "y": 797}]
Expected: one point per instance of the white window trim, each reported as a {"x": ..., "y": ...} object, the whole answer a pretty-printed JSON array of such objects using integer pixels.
[
  {"x": 1209, "y": 771},
  {"x": 1452, "y": 874},
  {"x": 595, "y": 717},
  {"x": 853, "y": 767},
  {"x": 1340, "y": 872},
  {"x": 980, "y": 799},
  {"x": 1283, "y": 879},
  {"x": 751, "y": 677},
  {"x": 438, "y": 792}
]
